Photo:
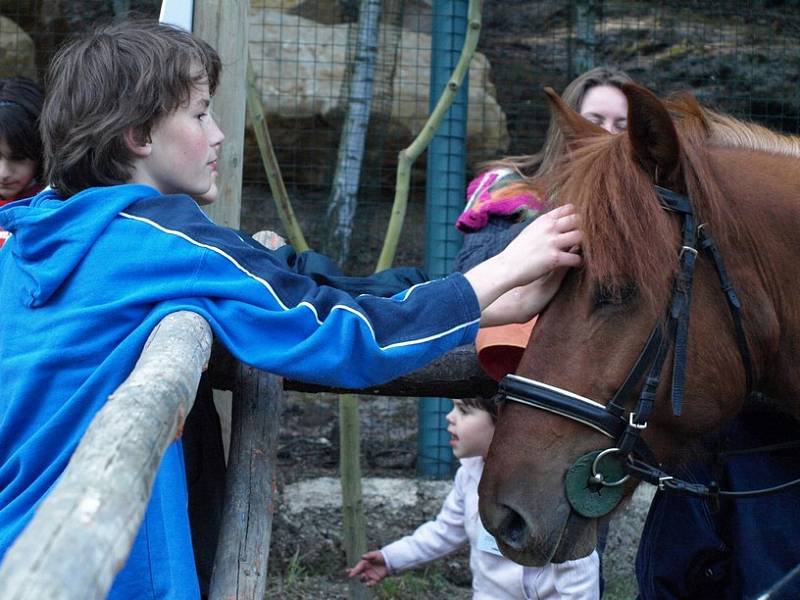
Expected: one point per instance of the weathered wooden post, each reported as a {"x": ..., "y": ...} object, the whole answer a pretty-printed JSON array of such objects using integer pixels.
[
  {"x": 240, "y": 566},
  {"x": 223, "y": 24}
]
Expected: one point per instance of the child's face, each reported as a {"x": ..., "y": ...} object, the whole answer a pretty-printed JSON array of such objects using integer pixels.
[
  {"x": 471, "y": 430},
  {"x": 183, "y": 149},
  {"x": 16, "y": 173}
]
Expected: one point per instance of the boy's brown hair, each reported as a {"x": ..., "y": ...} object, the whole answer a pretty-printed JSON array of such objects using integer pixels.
[{"x": 122, "y": 76}]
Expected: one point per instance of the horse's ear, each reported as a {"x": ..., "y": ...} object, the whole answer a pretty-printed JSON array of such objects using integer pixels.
[
  {"x": 570, "y": 123},
  {"x": 652, "y": 133}
]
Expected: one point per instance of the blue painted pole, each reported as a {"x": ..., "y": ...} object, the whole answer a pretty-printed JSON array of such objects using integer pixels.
[{"x": 444, "y": 201}]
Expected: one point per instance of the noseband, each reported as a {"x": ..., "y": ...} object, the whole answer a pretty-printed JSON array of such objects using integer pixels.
[{"x": 594, "y": 482}]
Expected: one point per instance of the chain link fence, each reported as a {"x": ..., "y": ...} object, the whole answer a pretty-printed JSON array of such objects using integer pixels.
[{"x": 738, "y": 56}]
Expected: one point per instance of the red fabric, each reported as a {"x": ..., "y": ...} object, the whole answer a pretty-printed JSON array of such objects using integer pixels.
[{"x": 32, "y": 190}]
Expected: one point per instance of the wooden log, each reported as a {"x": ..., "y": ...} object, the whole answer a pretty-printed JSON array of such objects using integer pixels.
[
  {"x": 240, "y": 565},
  {"x": 354, "y": 522},
  {"x": 456, "y": 374},
  {"x": 82, "y": 533}
]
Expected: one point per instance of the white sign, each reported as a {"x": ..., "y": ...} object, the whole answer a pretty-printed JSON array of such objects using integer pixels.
[{"x": 178, "y": 13}]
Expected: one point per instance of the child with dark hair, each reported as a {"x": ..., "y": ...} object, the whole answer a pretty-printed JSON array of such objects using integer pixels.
[
  {"x": 20, "y": 144},
  {"x": 128, "y": 138},
  {"x": 471, "y": 426}
]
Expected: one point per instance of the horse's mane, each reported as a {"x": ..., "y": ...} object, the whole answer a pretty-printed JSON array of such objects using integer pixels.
[
  {"x": 629, "y": 239},
  {"x": 730, "y": 132}
]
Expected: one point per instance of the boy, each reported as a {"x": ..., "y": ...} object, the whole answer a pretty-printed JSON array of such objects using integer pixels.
[
  {"x": 494, "y": 577},
  {"x": 96, "y": 262}
]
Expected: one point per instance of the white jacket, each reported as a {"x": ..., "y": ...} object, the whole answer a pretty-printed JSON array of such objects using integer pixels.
[{"x": 493, "y": 577}]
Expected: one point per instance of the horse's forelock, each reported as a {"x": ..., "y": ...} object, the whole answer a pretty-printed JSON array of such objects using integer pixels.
[{"x": 628, "y": 238}]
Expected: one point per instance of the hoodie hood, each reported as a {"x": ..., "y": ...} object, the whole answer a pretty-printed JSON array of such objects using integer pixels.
[{"x": 51, "y": 235}]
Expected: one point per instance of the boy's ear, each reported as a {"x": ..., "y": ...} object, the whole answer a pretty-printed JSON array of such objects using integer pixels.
[
  {"x": 574, "y": 127},
  {"x": 137, "y": 143}
]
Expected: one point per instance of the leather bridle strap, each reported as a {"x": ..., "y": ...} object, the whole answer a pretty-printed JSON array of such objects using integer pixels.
[
  {"x": 682, "y": 290},
  {"x": 572, "y": 406},
  {"x": 734, "y": 304}
]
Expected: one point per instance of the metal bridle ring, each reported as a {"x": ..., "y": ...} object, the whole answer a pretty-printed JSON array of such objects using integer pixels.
[{"x": 598, "y": 477}]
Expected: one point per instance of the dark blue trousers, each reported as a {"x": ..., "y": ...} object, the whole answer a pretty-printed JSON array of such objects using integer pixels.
[{"x": 692, "y": 548}]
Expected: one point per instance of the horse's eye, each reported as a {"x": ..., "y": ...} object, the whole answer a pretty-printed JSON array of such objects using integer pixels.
[{"x": 616, "y": 295}]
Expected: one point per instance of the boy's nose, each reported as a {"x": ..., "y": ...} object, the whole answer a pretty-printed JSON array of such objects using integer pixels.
[
  {"x": 5, "y": 168},
  {"x": 215, "y": 135},
  {"x": 450, "y": 417}
]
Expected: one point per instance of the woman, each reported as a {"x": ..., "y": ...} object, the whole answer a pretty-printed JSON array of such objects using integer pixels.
[{"x": 510, "y": 192}]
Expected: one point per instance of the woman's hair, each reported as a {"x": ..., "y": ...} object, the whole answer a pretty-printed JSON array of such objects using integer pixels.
[
  {"x": 542, "y": 163},
  {"x": 20, "y": 106}
]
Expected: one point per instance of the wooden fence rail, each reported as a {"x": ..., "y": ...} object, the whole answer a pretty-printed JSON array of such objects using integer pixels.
[
  {"x": 83, "y": 531},
  {"x": 81, "y": 535}
]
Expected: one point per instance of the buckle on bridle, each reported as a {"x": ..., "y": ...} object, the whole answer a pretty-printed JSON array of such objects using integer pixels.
[
  {"x": 687, "y": 249},
  {"x": 635, "y": 425},
  {"x": 662, "y": 480}
]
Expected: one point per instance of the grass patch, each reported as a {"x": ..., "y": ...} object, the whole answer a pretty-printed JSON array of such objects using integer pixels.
[
  {"x": 414, "y": 585},
  {"x": 621, "y": 589}
]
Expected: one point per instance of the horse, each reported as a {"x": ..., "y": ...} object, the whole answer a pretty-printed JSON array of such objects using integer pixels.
[{"x": 691, "y": 261}]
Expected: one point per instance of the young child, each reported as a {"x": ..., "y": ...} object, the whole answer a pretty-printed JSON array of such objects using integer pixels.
[
  {"x": 94, "y": 263},
  {"x": 20, "y": 143},
  {"x": 494, "y": 577}
]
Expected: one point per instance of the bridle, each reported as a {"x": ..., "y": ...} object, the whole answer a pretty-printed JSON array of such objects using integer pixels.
[{"x": 594, "y": 482}]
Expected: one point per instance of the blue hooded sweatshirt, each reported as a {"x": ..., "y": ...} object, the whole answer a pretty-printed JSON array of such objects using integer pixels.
[{"x": 84, "y": 281}]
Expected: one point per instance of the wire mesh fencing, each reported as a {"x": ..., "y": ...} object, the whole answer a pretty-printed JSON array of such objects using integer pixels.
[{"x": 739, "y": 57}]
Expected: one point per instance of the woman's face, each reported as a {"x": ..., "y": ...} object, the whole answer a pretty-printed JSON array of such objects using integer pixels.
[{"x": 606, "y": 105}]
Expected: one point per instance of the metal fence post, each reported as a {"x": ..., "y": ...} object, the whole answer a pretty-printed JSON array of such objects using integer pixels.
[{"x": 444, "y": 200}]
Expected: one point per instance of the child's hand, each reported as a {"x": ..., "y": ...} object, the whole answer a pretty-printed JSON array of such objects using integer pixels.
[{"x": 371, "y": 568}]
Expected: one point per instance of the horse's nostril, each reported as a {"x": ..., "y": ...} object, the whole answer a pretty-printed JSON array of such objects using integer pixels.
[{"x": 513, "y": 529}]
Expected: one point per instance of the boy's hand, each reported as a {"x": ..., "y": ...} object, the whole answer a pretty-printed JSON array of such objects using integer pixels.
[
  {"x": 523, "y": 303},
  {"x": 551, "y": 241},
  {"x": 371, "y": 568}
]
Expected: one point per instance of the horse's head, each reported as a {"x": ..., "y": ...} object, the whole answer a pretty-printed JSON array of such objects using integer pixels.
[{"x": 588, "y": 339}]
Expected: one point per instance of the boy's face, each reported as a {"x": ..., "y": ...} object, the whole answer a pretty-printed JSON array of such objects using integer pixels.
[
  {"x": 183, "y": 148},
  {"x": 471, "y": 430}
]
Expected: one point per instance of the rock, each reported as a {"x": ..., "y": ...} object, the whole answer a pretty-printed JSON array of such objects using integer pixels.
[
  {"x": 17, "y": 53},
  {"x": 300, "y": 66}
]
